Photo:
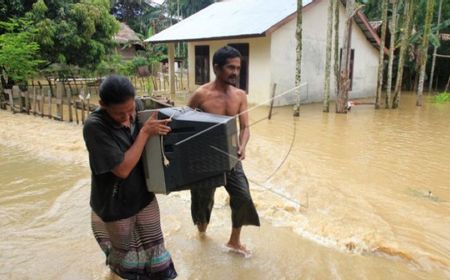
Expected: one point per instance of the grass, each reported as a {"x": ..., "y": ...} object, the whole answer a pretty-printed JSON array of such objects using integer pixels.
[{"x": 443, "y": 97}]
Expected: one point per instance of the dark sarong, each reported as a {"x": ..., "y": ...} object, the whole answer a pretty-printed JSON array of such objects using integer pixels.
[
  {"x": 243, "y": 211},
  {"x": 134, "y": 247}
]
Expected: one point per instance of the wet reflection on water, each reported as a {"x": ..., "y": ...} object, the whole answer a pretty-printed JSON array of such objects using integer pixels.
[{"x": 370, "y": 186}]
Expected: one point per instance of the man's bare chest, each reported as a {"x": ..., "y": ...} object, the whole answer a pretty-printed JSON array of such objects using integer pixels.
[{"x": 221, "y": 106}]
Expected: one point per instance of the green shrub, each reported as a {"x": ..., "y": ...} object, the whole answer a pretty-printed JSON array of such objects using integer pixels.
[{"x": 442, "y": 97}]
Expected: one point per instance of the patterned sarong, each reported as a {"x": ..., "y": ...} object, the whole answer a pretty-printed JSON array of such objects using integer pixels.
[{"x": 134, "y": 247}]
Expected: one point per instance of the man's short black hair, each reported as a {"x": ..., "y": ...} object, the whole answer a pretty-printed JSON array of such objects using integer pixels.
[
  {"x": 116, "y": 89},
  {"x": 223, "y": 54}
]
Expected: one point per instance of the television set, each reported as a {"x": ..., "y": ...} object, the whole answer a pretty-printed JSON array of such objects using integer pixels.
[{"x": 198, "y": 151}]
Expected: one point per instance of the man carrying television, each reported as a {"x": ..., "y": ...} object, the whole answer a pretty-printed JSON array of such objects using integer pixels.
[{"x": 222, "y": 97}]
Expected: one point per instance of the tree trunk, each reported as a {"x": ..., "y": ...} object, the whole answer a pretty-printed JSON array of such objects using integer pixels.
[
  {"x": 326, "y": 90},
  {"x": 298, "y": 72},
  {"x": 336, "y": 45},
  {"x": 433, "y": 63},
  {"x": 393, "y": 28},
  {"x": 447, "y": 85},
  {"x": 424, "y": 50},
  {"x": 381, "y": 56},
  {"x": 342, "y": 98},
  {"x": 407, "y": 29}
]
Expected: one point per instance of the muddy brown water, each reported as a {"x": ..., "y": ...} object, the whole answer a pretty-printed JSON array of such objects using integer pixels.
[{"x": 359, "y": 196}]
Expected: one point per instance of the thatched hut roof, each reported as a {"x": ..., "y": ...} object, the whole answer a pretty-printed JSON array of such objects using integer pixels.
[{"x": 126, "y": 35}]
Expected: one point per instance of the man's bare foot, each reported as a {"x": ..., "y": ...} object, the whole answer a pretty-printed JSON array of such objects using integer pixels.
[
  {"x": 238, "y": 249},
  {"x": 202, "y": 228}
]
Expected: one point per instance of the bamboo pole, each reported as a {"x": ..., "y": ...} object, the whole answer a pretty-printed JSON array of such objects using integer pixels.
[
  {"x": 326, "y": 90},
  {"x": 272, "y": 99},
  {"x": 424, "y": 52},
  {"x": 298, "y": 61}
]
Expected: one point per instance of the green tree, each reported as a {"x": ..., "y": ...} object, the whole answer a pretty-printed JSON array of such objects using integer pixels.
[
  {"x": 186, "y": 8},
  {"x": 18, "y": 52},
  {"x": 138, "y": 14},
  {"x": 393, "y": 28},
  {"x": 424, "y": 51},
  {"x": 433, "y": 63},
  {"x": 74, "y": 32},
  {"x": 406, "y": 33},
  {"x": 12, "y": 9},
  {"x": 412, "y": 59},
  {"x": 381, "y": 53}
]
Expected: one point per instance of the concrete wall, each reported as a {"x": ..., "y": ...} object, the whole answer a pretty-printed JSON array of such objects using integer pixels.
[
  {"x": 259, "y": 65},
  {"x": 273, "y": 60}
]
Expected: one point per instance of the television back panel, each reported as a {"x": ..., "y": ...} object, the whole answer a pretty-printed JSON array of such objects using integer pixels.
[{"x": 199, "y": 150}]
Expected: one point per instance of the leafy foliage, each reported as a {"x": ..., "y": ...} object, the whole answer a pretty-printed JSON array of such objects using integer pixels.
[
  {"x": 443, "y": 97},
  {"x": 373, "y": 10},
  {"x": 18, "y": 52},
  {"x": 74, "y": 32}
]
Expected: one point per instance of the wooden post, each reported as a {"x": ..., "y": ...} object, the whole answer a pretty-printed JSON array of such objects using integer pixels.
[
  {"x": 76, "y": 112},
  {"x": 27, "y": 102},
  {"x": 16, "y": 93},
  {"x": 272, "y": 99},
  {"x": 41, "y": 100},
  {"x": 181, "y": 75},
  {"x": 2, "y": 97},
  {"x": 88, "y": 97},
  {"x": 49, "y": 92},
  {"x": 68, "y": 93},
  {"x": 171, "y": 55},
  {"x": 59, "y": 101},
  {"x": 187, "y": 78},
  {"x": 75, "y": 102},
  {"x": 447, "y": 85},
  {"x": 82, "y": 104},
  {"x": 34, "y": 98}
]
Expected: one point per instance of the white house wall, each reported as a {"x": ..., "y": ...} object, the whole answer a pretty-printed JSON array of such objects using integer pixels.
[
  {"x": 283, "y": 57},
  {"x": 258, "y": 68}
]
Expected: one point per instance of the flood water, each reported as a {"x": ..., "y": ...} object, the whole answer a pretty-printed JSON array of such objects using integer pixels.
[{"x": 359, "y": 196}]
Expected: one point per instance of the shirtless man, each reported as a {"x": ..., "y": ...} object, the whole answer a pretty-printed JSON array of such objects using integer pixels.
[{"x": 222, "y": 97}]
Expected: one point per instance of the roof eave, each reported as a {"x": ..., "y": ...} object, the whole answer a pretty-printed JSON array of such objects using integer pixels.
[
  {"x": 365, "y": 22},
  {"x": 218, "y": 38}
]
